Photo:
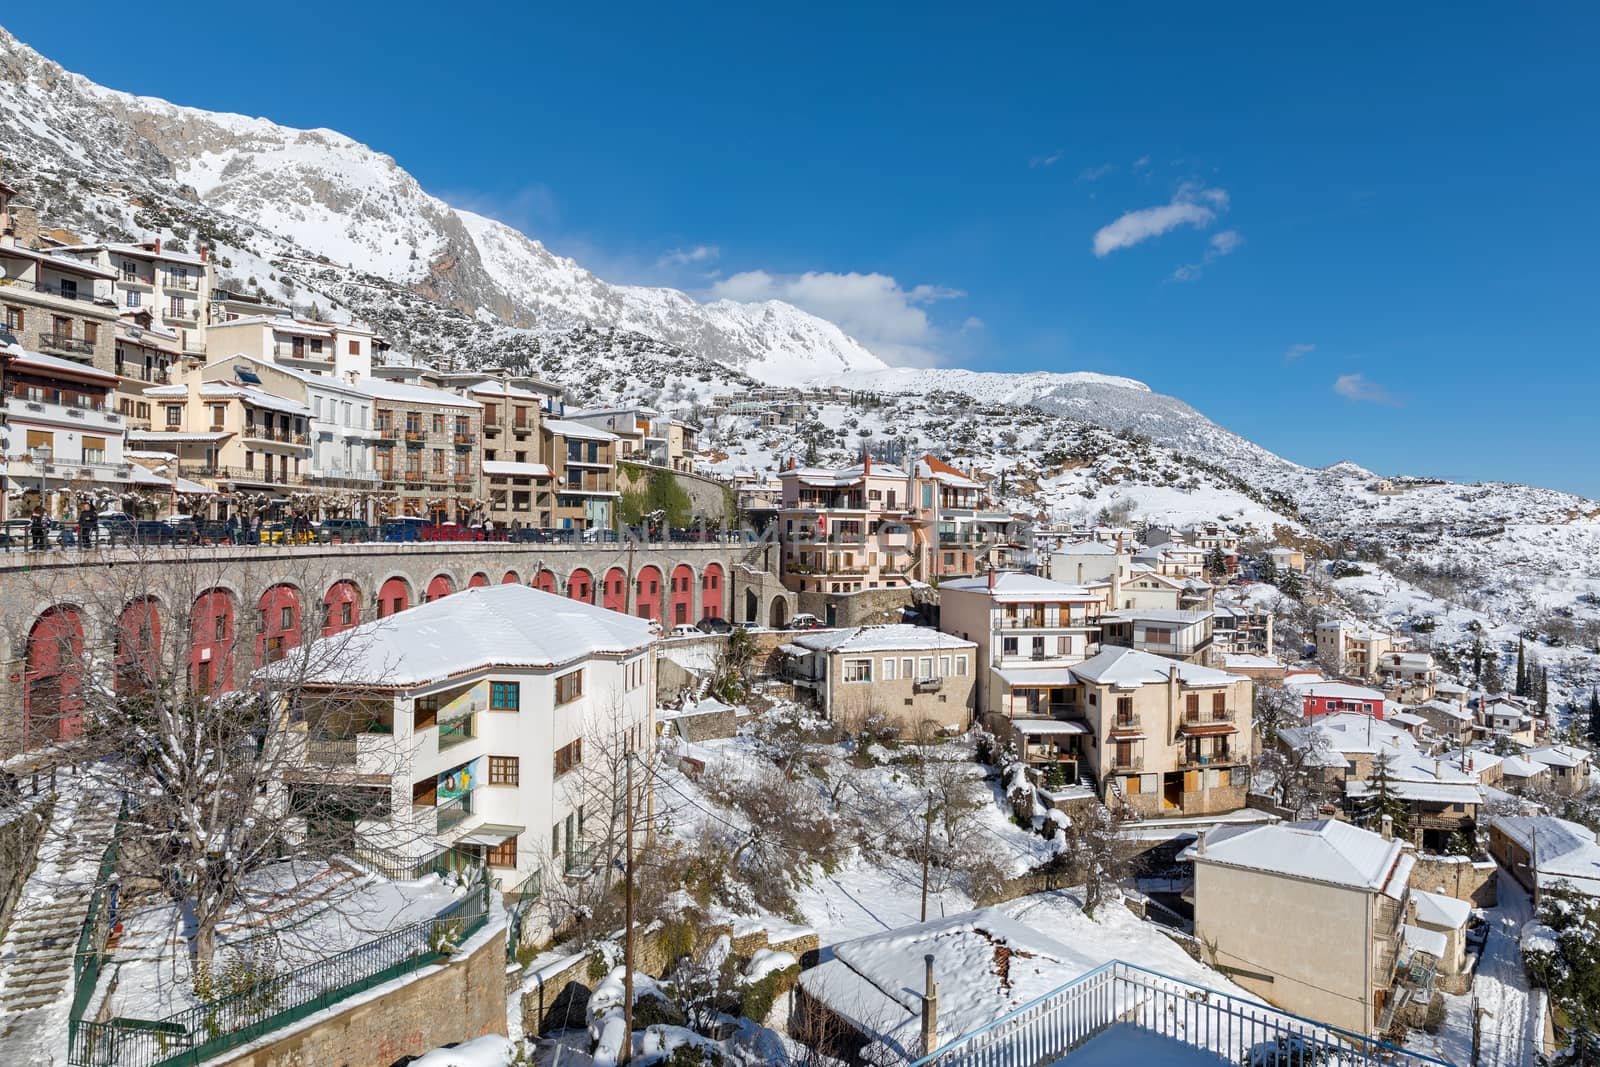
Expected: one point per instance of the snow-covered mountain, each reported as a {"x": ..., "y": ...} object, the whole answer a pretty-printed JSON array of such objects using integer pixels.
[{"x": 78, "y": 145}]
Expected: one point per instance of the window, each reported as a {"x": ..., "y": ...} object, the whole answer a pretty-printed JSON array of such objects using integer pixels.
[
  {"x": 14, "y": 318},
  {"x": 177, "y": 308},
  {"x": 91, "y": 332},
  {"x": 438, "y": 422},
  {"x": 38, "y": 439},
  {"x": 944, "y": 666},
  {"x": 503, "y": 770},
  {"x": 1008, "y": 646},
  {"x": 635, "y": 673},
  {"x": 888, "y": 669},
  {"x": 346, "y": 613},
  {"x": 94, "y": 449},
  {"x": 1219, "y": 704},
  {"x": 285, "y": 617},
  {"x": 858, "y": 670},
  {"x": 174, "y": 416},
  {"x": 925, "y": 667},
  {"x": 355, "y": 348},
  {"x": 505, "y": 853},
  {"x": 1124, "y": 710},
  {"x": 505, "y": 696},
  {"x": 569, "y": 687},
  {"x": 961, "y": 666},
  {"x": 1191, "y": 705},
  {"x": 568, "y": 757}
]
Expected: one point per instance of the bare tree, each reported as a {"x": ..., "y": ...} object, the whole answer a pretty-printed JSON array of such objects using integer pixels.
[{"x": 1098, "y": 853}]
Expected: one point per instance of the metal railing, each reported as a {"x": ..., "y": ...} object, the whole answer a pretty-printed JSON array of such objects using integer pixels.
[
  {"x": 90, "y": 954},
  {"x": 452, "y": 813},
  {"x": 62, "y": 343},
  {"x": 331, "y": 751},
  {"x": 1116, "y": 994},
  {"x": 1133, "y": 762},
  {"x": 58, "y": 291},
  {"x": 200, "y": 1033}
]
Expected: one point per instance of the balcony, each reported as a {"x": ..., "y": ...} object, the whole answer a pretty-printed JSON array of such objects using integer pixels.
[
  {"x": 1224, "y": 758},
  {"x": 581, "y": 859},
  {"x": 56, "y": 342},
  {"x": 1133, "y": 761},
  {"x": 455, "y": 732},
  {"x": 1127, "y": 722},
  {"x": 384, "y": 431},
  {"x": 180, "y": 285},
  {"x": 416, "y": 437},
  {"x": 22, "y": 408},
  {"x": 452, "y": 813},
  {"x": 927, "y": 685},
  {"x": 57, "y": 291}
]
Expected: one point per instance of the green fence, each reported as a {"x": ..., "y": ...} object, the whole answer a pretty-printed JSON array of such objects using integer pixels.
[
  {"x": 91, "y": 951},
  {"x": 206, "y": 1030}
]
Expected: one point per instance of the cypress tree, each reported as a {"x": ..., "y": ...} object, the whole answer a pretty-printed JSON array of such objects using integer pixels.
[
  {"x": 1522, "y": 670},
  {"x": 1594, "y": 715},
  {"x": 1381, "y": 799}
]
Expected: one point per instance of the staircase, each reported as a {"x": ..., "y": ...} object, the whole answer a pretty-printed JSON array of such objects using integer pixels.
[
  {"x": 36, "y": 955},
  {"x": 1413, "y": 981}
]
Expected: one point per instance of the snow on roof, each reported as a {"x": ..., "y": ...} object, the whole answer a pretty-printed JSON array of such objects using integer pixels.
[
  {"x": 138, "y": 252},
  {"x": 1324, "y": 850},
  {"x": 1169, "y": 615},
  {"x": 505, "y": 626},
  {"x": 840, "y": 476},
  {"x": 254, "y": 397},
  {"x": 1244, "y": 660},
  {"x": 1561, "y": 850},
  {"x": 384, "y": 389},
  {"x": 54, "y": 363},
  {"x": 1350, "y": 732},
  {"x": 1444, "y": 707},
  {"x": 147, "y": 436},
  {"x": 1430, "y": 941},
  {"x": 1407, "y": 718},
  {"x": 893, "y": 637},
  {"x": 1036, "y": 677},
  {"x": 578, "y": 430},
  {"x": 1517, "y": 767},
  {"x": 1046, "y": 727},
  {"x": 494, "y": 388},
  {"x": 1558, "y": 756},
  {"x": 1436, "y": 909},
  {"x": 1336, "y": 690},
  {"x": 936, "y": 469},
  {"x": 1088, "y": 548},
  {"x": 183, "y": 486},
  {"x": 512, "y": 469},
  {"x": 1016, "y": 586},
  {"x": 58, "y": 261},
  {"x": 1126, "y": 668},
  {"x": 1449, "y": 687},
  {"x": 1422, "y": 792}
]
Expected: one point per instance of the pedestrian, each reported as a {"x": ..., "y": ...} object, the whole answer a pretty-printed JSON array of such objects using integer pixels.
[
  {"x": 94, "y": 524},
  {"x": 83, "y": 525},
  {"x": 37, "y": 528}
]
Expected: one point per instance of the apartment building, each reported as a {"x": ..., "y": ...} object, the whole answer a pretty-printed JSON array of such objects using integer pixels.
[
  {"x": 1181, "y": 635},
  {"x": 57, "y": 306},
  {"x": 229, "y": 434},
  {"x": 1171, "y": 738},
  {"x": 956, "y": 527},
  {"x": 174, "y": 287},
  {"x": 912, "y": 677},
  {"x": 1307, "y": 915},
  {"x": 645, "y": 435},
  {"x": 518, "y": 481},
  {"x": 1355, "y": 649},
  {"x": 340, "y": 349},
  {"x": 226, "y": 305},
  {"x": 61, "y": 437},
  {"x": 583, "y": 470},
  {"x": 145, "y": 353},
  {"x": 1411, "y": 676},
  {"x": 1242, "y": 629},
  {"x": 846, "y": 529},
  {"x": 1029, "y": 631},
  {"x": 480, "y": 744},
  {"x": 426, "y": 449}
]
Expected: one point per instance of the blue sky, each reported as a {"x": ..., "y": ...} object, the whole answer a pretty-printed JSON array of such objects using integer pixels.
[{"x": 1368, "y": 234}]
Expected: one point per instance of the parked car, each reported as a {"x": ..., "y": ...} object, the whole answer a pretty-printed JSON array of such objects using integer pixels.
[
  {"x": 343, "y": 530},
  {"x": 714, "y": 624},
  {"x": 683, "y": 629},
  {"x": 115, "y": 527},
  {"x": 749, "y": 624},
  {"x": 806, "y": 621},
  {"x": 402, "y": 528}
]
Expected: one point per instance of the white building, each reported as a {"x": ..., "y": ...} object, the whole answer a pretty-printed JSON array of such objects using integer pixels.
[
  {"x": 175, "y": 287},
  {"x": 61, "y": 432}
]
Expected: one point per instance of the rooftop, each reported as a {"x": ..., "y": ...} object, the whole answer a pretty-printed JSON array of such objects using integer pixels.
[
  {"x": 880, "y": 639},
  {"x": 1126, "y": 668},
  {"x": 1323, "y": 850},
  {"x": 1015, "y": 586}
]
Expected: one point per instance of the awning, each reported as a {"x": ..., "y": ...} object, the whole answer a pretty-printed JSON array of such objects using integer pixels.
[
  {"x": 490, "y": 834},
  {"x": 1045, "y": 727},
  {"x": 1209, "y": 729},
  {"x": 1036, "y": 677}
]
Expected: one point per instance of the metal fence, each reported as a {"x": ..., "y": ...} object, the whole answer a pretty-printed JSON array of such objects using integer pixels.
[
  {"x": 1050, "y": 1029},
  {"x": 90, "y": 954},
  {"x": 204, "y": 1031}
]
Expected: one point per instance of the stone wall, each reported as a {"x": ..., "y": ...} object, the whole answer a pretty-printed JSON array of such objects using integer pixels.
[
  {"x": 452, "y": 1002},
  {"x": 709, "y": 498},
  {"x": 868, "y": 607},
  {"x": 1456, "y": 876},
  {"x": 20, "y": 834}
]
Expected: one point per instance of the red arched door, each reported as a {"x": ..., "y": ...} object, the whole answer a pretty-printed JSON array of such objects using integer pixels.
[
  {"x": 341, "y": 607},
  {"x": 52, "y": 707},
  {"x": 439, "y": 588},
  {"x": 545, "y": 581},
  {"x": 478, "y": 581},
  {"x": 614, "y": 590},
  {"x": 278, "y": 627},
  {"x": 138, "y": 646},
  {"x": 511, "y": 578},
  {"x": 648, "y": 592},
  {"x": 211, "y": 637},
  {"x": 580, "y": 586},
  {"x": 711, "y": 593},
  {"x": 394, "y": 596},
  {"x": 682, "y": 594}
]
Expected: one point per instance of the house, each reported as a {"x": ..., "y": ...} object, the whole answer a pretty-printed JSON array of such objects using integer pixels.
[
  {"x": 1242, "y": 628},
  {"x": 1028, "y": 631},
  {"x": 61, "y": 437},
  {"x": 1084, "y": 562},
  {"x": 1286, "y": 559},
  {"x": 1256, "y": 667},
  {"x": 518, "y": 479},
  {"x": 1328, "y": 698},
  {"x": 1519, "y": 774},
  {"x": 341, "y": 349},
  {"x": 956, "y": 526},
  {"x": 1541, "y": 851},
  {"x": 1568, "y": 767},
  {"x": 1307, "y": 915},
  {"x": 583, "y": 474},
  {"x": 1181, "y": 635},
  {"x": 476, "y": 743},
  {"x": 145, "y": 353},
  {"x": 1508, "y": 717},
  {"x": 1411, "y": 676},
  {"x": 1449, "y": 722},
  {"x": 1138, "y": 587},
  {"x": 425, "y": 448},
  {"x": 1437, "y": 924},
  {"x": 57, "y": 306},
  {"x": 1354, "y": 649},
  {"x": 173, "y": 286},
  {"x": 1170, "y": 738},
  {"x": 911, "y": 676},
  {"x": 1441, "y": 795}
]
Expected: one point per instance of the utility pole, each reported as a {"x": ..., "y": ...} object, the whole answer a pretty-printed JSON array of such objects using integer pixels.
[
  {"x": 627, "y": 936},
  {"x": 927, "y": 847}
]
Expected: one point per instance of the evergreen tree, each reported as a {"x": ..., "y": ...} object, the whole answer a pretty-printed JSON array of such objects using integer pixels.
[
  {"x": 1522, "y": 670},
  {"x": 1291, "y": 584},
  {"x": 1268, "y": 571},
  {"x": 1477, "y": 659},
  {"x": 1594, "y": 715},
  {"x": 1381, "y": 800},
  {"x": 1544, "y": 689},
  {"x": 1584, "y": 1050}
]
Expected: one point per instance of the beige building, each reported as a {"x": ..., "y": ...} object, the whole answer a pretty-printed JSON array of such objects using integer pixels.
[
  {"x": 57, "y": 306},
  {"x": 343, "y": 350},
  {"x": 426, "y": 451},
  {"x": 1568, "y": 767},
  {"x": 583, "y": 471},
  {"x": 913, "y": 677},
  {"x": 229, "y": 436},
  {"x": 518, "y": 480},
  {"x": 848, "y": 529},
  {"x": 1170, "y": 738},
  {"x": 1307, "y": 915},
  {"x": 174, "y": 287},
  {"x": 1541, "y": 851},
  {"x": 1357, "y": 650}
]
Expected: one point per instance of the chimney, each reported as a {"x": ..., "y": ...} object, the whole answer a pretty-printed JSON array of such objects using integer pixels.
[
  {"x": 205, "y": 253},
  {"x": 930, "y": 1008},
  {"x": 1388, "y": 827},
  {"x": 158, "y": 246},
  {"x": 1200, "y": 843},
  {"x": 991, "y": 578}
]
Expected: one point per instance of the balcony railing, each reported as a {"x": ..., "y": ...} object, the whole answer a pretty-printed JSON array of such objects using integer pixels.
[
  {"x": 1218, "y": 1026},
  {"x": 269, "y": 433},
  {"x": 582, "y": 858},
  {"x": 1126, "y": 721},
  {"x": 331, "y": 751},
  {"x": 56, "y": 342},
  {"x": 1132, "y": 762},
  {"x": 57, "y": 291},
  {"x": 452, "y": 813},
  {"x": 455, "y": 732},
  {"x": 415, "y": 437},
  {"x": 927, "y": 685}
]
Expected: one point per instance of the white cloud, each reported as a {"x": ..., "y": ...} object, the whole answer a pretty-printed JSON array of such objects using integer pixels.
[
  {"x": 1294, "y": 352},
  {"x": 874, "y": 308},
  {"x": 1357, "y": 387},
  {"x": 682, "y": 257},
  {"x": 1141, "y": 163},
  {"x": 1221, "y": 244},
  {"x": 972, "y": 323},
  {"x": 1049, "y": 160},
  {"x": 1094, "y": 174},
  {"x": 1191, "y": 205}
]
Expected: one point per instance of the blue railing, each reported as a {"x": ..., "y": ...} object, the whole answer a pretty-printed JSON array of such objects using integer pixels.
[{"x": 1049, "y": 1029}]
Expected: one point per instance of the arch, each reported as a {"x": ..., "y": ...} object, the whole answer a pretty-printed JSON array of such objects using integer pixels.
[
  {"x": 212, "y": 632},
  {"x": 614, "y": 590},
  {"x": 511, "y": 578},
  {"x": 778, "y": 613},
  {"x": 712, "y": 592},
  {"x": 341, "y": 607},
  {"x": 138, "y": 645},
  {"x": 478, "y": 581},
  {"x": 439, "y": 587},
  {"x": 580, "y": 585},
  {"x": 394, "y": 595},
  {"x": 649, "y": 588},
  {"x": 682, "y": 594},
  {"x": 278, "y": 622},
  {"x": 545, "y": 580},
  {"x": 52, "y": 707}
]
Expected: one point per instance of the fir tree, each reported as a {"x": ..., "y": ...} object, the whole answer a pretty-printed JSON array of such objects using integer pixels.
[
  {"x": 1594, "y": 715},
  {"x": 1584, "y": 1050},
  {"x": 1381, "y": 799},
  {"x": 1477, "y": 659},
  {"x": 1290, "y": 583},
  {"x": 1522, "y": 670}
]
